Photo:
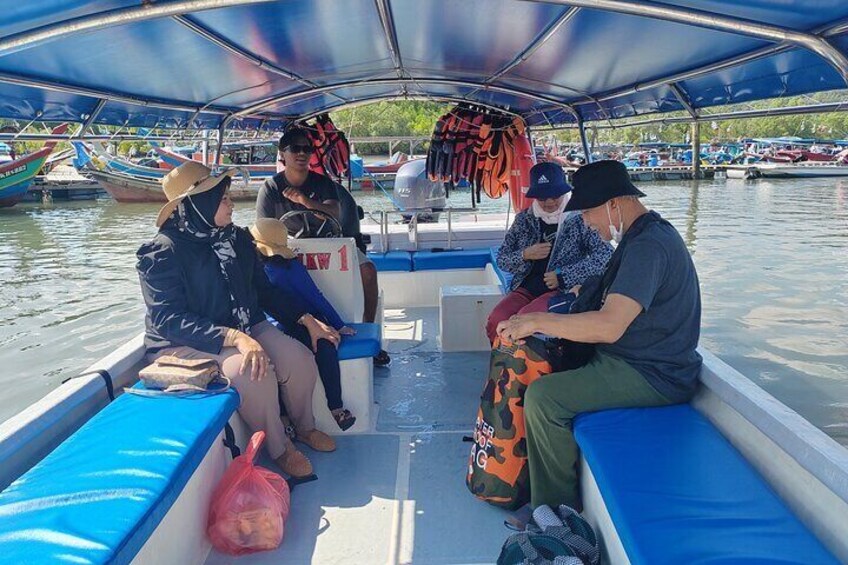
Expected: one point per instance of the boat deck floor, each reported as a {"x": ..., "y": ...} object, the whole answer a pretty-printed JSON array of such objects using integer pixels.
[{"x": 398, "y": 495}]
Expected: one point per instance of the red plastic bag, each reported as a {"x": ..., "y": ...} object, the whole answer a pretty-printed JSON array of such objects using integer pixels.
[{"x": 249, "y": 506}]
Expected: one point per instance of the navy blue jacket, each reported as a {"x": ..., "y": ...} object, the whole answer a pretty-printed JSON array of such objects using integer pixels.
[
  {"x": 578, "y": 251},
  {"x": 187, "y": 298},
  {"x": 291, "y": 276}
]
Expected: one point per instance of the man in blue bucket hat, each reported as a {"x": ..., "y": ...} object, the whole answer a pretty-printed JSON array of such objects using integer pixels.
[
  {"x": 546, "y": 249},
  {"x": 645, "y": 328}
]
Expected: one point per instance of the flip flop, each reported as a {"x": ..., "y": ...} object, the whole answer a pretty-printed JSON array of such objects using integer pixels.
[{"x": 344, "y": 419}]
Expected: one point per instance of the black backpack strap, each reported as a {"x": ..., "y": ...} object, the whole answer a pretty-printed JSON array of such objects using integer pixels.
[
  {"x": 104, "y": 374},
  {"x": 230, "y": 440}
]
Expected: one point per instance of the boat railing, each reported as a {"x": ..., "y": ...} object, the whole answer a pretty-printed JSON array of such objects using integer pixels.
[{"x": 414, "y": 214}]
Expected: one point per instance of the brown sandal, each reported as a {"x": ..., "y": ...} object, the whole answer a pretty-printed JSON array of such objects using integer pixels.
[
  {"x": 294, "y": 463},
  {"x": 317, "y": 440},
  {"x": 344, "y": 419}
]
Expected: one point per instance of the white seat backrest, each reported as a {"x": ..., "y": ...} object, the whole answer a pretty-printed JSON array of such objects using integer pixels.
[{"x": 333, "y": 264}]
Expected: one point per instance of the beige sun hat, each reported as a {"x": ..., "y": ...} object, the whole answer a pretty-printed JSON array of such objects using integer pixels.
[
  {"x": 188, "y": 179},
  {"x": 271, "y": 238}
]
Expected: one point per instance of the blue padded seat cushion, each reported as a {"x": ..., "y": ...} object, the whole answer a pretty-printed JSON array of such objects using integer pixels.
[
  {"x": 99, "y": 496},
  {"x": 366, "y": 342},
  {"x": 506, "y": 278},
  {"x": 392, "y": 260},
  {"x": 452, "y": 259},
  {"x": 679, "y": 492}
]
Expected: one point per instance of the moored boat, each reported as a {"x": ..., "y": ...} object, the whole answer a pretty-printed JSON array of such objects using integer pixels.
[
  {"x": 117, "y": 164},
  {"x": 17, "y": 175},
  {"x": 128, "y": 188},
  {"x": 812, "y": 169}
]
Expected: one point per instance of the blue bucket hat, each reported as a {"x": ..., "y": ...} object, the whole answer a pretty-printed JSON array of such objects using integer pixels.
[{"x": 547, "y": 180}]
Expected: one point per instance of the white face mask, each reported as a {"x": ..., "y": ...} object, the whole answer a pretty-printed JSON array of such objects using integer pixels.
[
  {"x": 554, "y": 217},
  {"x": 615, "y": 232}
]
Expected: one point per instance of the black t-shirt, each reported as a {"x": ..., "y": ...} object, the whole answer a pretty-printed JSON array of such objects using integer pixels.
[
  {"x": 272, "y": 204},
  {"x": 534, "y": 282}
]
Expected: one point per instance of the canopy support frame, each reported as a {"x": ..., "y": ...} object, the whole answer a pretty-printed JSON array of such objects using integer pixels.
[
  {"x": 584, "y": 141},
  {"x": 425, "y": 98},
  {"x": 110, "y": 96},
  {"x": 684, "y": 101},
  {"x": 390, "y": 31},
  {"x": 696, "y": 149},
  {"x": 237, "y": 51},
  {"x": 92, "y": 117},
  {"x": 275, "y": 100},
  {"x": 815, "y": 43},
  {"x": 122, "y": 16},
  {"x": 221, "y": 130},
  {"x": 825, "y": 31},
  {"x": 536, "y": 44}
]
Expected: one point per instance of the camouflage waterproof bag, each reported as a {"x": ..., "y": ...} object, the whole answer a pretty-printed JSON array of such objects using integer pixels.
[{"x": 497, "y": 467}]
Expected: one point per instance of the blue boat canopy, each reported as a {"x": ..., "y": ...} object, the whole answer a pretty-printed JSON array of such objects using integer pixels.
[{"x": 251, "y": 64}]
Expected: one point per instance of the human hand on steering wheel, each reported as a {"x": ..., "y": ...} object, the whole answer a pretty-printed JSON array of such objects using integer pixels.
[{"x": 328, "y": 223}]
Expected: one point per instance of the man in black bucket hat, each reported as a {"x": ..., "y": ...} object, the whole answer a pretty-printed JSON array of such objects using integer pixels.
[{"x": 646, "y": 330}]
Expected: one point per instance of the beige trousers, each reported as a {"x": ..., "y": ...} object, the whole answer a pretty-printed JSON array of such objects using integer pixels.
[{"x": 292, "y": 369}]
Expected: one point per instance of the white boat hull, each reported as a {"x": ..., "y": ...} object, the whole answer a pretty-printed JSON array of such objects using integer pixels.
[{"x": 790, "y": 171}]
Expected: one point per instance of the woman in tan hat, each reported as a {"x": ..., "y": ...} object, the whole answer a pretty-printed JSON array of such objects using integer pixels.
[
  {"x": 205, "y": 291},
  {"x": 287, "y": 273}
]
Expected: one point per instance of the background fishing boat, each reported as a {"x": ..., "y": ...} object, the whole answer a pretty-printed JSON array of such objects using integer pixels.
[
  {"x": 113, "y": 163},
  {"x": 17, "y": 175},
  {"x": 128, "y": 188}
]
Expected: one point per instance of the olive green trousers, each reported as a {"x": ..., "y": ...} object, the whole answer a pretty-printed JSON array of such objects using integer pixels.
[{"x": 550, "y": 406}]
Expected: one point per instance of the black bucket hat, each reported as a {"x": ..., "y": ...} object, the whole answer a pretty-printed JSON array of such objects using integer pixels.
[{"x": 597, "y": 183}]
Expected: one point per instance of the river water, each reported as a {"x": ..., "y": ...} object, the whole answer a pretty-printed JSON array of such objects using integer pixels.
[{"x": 772, "y": 257}]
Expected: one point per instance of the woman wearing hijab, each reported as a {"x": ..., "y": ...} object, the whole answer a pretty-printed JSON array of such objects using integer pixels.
[
  {"x": 287, "y": 273},
  {"x": 546, "y": 250},
  {"x": 205, "y": 292}
]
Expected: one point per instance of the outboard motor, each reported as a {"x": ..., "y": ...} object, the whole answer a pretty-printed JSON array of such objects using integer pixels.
[{"x": 414, "y": 190}]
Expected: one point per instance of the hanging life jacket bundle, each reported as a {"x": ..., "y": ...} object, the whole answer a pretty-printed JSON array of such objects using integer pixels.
[{"x": 497, "y": 466}]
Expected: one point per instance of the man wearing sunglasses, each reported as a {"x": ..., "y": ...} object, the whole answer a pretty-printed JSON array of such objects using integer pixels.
[{"x": 298, "y": 188}]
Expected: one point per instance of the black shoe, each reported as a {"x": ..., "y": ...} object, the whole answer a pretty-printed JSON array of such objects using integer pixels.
[{"x": 382, "y": 359}]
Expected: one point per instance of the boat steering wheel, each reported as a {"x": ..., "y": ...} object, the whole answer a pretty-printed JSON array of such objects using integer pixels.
[{"x": 330, "y": 227}]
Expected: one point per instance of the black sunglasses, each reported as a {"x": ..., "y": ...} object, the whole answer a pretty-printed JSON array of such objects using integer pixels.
[{"x": 307, "y": 149}]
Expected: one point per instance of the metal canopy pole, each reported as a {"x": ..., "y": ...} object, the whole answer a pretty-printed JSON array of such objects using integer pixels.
[
  {"x": 678, "y": 93},
  {"x": 221, "y": 129},
  {"x": 534, "y": 46},
  {"x": 234, "y": 49},
  {"x": 424, "y": 98},
  {"x": 814, "y": 43},
  {"x": 274, "y": 100},
  {"x": 782, "y": 111},
  {"x": 388, "y": 22},
  {"x": 696, "y": 149},
  {"x": 93, "y": 116},
  {"x": 109, "y": 96},
  {"x": 111, "y": 18},
  {"x": 581, "y": 126}
]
